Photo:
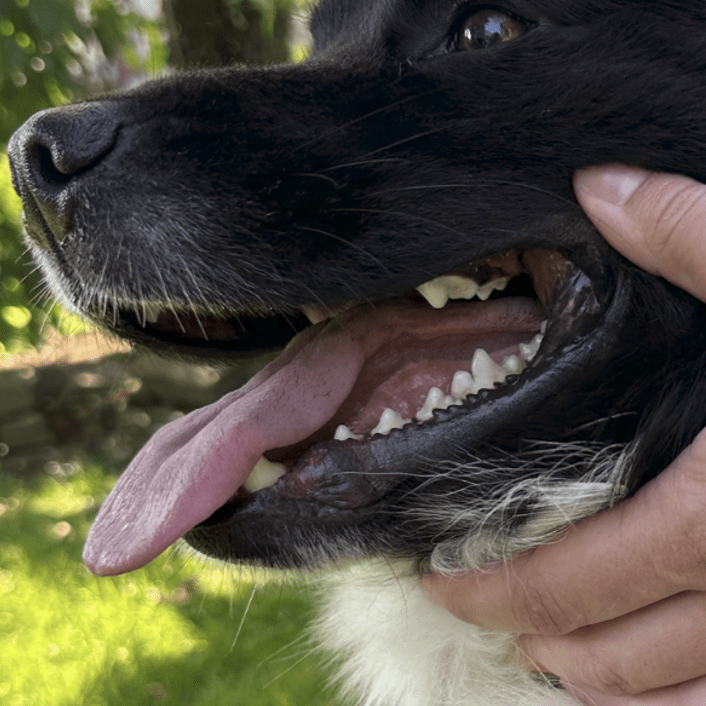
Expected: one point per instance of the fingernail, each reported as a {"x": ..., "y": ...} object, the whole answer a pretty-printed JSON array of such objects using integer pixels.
[{"x": 614, "y": 184}]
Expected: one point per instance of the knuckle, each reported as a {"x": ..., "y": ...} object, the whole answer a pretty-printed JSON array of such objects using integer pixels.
[
  {"x": 544, "y": 613},
  {"x": 681, "y": 563},
  {"x": 602, "y": 672}
]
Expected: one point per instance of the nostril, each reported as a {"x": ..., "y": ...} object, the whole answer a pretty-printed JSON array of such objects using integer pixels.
[
  {"x": 72, "y": 139},
  {"x": 49, "y": 169},
  {"x": 49, "y": 155}
]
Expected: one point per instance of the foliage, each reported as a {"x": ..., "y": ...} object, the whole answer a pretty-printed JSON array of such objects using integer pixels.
[
  {"x": 166, "y": 633},
  {"x": 52, "y": 51}
]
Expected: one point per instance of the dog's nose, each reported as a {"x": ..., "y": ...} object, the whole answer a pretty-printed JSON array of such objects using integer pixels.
[{"x": 48, "y": 155}]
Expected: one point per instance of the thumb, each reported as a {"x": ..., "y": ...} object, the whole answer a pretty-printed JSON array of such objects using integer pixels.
[{"x": 658, "y": 221}]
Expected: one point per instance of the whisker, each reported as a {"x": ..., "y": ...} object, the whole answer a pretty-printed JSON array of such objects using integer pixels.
[{"x": 354, "y": 246}]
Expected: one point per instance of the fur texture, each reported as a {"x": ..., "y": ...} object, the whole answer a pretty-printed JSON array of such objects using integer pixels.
[
  {"x": 218, "y": 214},
  {"x": 401, "y": 650}
]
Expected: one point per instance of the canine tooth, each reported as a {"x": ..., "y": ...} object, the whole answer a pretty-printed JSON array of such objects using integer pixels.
[
  {"x": 389, "y": 420},
  {"x": 435, "y": 400},
  {"x": 462, "y": 384},
  {"x": 343, "y": 433},
  {"x": 486, "y": 372},
  {"x": 264, "y": 475},
  {"x": 485, "y": 290},
  {"x": 529, "y": 350},
  {"x": 435, "y": 293},
  {"x": 514, "y": 364},
  {"x": 543, "y": 326}
]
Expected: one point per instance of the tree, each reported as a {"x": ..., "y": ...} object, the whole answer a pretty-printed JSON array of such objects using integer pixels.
[{"x": 217, "y": 33}]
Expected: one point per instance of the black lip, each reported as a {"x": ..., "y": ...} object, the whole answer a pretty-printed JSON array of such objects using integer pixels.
[
  {"x": 345, "y": 484},
  {"x": 249, "y": 335}
]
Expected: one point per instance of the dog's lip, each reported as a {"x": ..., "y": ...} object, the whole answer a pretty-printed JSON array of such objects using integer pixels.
[
  {"x": 343, "y": 482},
  {"x": 221, "y": 332},
  {"x": 181, "y": 483},
  {"x": 193, "y": 465}
]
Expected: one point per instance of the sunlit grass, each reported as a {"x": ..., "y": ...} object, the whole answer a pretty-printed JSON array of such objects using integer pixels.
[{"x": 159, "y": 635}]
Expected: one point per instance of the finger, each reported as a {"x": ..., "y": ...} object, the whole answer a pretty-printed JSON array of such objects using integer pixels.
[
  {"x": 658, "y": 646},
  {"x": 647, "y": 548},
  {"x": 691, "y": 693},
  {"x": 656, "y": 221}
]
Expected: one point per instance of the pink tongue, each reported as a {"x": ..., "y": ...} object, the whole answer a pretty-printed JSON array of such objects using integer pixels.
[
  {"x": 187, "y": 470},
  {"x": 193, "y": 465}
]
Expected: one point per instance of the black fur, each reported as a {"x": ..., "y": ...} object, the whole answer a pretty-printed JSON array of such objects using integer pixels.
[{"x": 389, "y": 158}]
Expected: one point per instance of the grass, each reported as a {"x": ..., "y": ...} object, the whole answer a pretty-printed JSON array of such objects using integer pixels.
[{"x": 163, "y": 635}]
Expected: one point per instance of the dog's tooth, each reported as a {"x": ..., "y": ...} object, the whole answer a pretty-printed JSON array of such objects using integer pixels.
[
  {"x": 435, "y": 293},
  {"x": 435, "y": 400},
  {"x": 151, "y": 311},
  {"x": 459, "y": 286},
  {"x": 462, "y": 384},
  {"x": 529, "y": 350},
  {"x": 486, "y": 372},
  {"x": 543, "y": 326},
  {"x": 485, "y": 290},
  {"x": 514, "y": 364},
  {"x": 389, "y": 420},
  {"x": 315, "y": 313},
  {"x": 264, "y": 475},
  {"x": 438, "y": 291},
  {"x": 343, "y": 433}
]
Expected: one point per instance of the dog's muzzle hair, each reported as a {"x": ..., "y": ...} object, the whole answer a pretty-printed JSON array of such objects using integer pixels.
[{"x": 458, "y": 366}]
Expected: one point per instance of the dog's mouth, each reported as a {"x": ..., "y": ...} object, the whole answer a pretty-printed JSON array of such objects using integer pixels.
[{"x": 360, "y": 393}]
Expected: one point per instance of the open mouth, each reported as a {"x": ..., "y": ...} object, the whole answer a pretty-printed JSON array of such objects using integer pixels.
[{"x": 359, "y": 393}]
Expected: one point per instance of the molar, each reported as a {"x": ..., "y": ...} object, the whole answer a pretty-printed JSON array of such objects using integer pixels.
[
  {"x": 529, "y": 350},
  {"x": 514, "y": 364},
  {"x": 485, "y": 290}
]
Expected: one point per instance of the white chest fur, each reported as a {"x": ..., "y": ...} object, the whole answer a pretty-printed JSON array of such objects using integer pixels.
[{"x": 399, "y": 650}]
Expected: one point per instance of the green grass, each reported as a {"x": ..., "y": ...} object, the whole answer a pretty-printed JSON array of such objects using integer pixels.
[{"x": 161, "y": 635}]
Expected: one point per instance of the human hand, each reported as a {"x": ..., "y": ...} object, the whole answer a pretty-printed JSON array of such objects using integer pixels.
[{"x": 617, "y": 607}]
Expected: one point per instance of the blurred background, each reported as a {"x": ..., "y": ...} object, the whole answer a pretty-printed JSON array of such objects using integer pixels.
[{"x": 75, "y": 407}]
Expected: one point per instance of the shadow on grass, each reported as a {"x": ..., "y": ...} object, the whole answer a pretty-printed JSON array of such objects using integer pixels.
[{"x": 164, "y": 634}]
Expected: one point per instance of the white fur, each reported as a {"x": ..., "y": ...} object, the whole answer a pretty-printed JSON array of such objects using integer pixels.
[{"x": 400, "y": 650}]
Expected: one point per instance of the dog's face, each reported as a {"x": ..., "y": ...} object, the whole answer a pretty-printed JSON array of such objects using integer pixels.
[{"x": 384, "y": 210}]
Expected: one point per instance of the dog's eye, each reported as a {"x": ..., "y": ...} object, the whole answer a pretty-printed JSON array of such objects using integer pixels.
[{"x": 488, "y": 27}]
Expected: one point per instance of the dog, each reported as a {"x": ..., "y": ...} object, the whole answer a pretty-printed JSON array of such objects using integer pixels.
[{"x": 464, "y": 366}]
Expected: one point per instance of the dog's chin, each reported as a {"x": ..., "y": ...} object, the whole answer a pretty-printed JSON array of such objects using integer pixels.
[{"x": 362, "y": 393}]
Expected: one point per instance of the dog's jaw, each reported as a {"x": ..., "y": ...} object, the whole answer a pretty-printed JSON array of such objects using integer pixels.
[{"x": 192, "y": 478}]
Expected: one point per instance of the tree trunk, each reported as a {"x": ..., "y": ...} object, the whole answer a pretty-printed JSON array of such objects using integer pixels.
[{"x": 222, "y": 32}]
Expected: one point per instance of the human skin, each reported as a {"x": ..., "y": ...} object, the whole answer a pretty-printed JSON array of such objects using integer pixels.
[{"x": 617, "y": 606}]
